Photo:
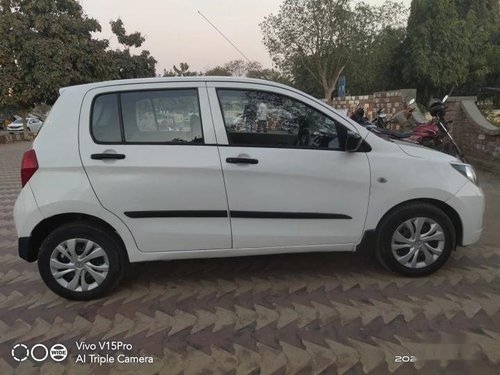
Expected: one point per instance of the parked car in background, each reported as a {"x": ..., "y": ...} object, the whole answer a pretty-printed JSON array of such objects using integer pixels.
[
  {"x": 32, "y": 123},
  {"x": 105, "y": 184}
]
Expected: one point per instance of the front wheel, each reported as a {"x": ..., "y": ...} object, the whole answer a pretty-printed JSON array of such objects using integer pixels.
[
  {"x": 80, "y": 261},
  {"x": 415, "y": 239}
]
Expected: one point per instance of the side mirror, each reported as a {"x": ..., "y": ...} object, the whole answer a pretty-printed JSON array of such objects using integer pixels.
[{"x": 353, "y": 141}]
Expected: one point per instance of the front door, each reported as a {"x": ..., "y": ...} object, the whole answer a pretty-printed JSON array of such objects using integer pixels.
[
  {"x": 289, "y": 182},
  {"x": 149, "y": 152}
]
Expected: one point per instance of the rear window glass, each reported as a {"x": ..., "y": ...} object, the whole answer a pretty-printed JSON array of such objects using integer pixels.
[
  {"x": 166, "y": 116},
  {"x": 106, "y": 119},
  {"x": 159, "y": 116}
]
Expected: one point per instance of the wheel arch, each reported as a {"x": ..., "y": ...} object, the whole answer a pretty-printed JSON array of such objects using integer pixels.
[
  {"x": 46, "y": 226},
  {"x": 447, "y": 209}
]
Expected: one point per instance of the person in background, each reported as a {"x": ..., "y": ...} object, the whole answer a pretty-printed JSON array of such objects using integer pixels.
[
  {"x": 262, "y": 118},
  {"x": 249, "y": 115}
]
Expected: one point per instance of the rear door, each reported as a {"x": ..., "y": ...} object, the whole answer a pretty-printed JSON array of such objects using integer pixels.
[
  {"x": 289, "y": 182},
  {"x": 149, "y": 152}
]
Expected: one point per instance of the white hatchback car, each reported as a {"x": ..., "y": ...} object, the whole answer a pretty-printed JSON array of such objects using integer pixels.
[
  {"x": 151, "y": 169},
  {"x": 32, "y": 125}
]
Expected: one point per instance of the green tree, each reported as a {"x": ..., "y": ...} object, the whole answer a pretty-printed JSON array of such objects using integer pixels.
[
  {"x": 447, "y": 44},
  {"x": 378, "y": 66},
  {"x": 322, "y": 36},
  {"x": 181, "y": 71},
  {"x": 238, "y": 68},
  {"x": 482, "y": 18},
  {"x": 125, "y": 65},
  {"x": 45, "y": 45},
  {"x": 218, "y": 71},
  {"x": 48, "y": 44}
]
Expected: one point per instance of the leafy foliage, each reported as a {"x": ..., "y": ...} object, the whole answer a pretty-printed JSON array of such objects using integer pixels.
[
  {"x": 181, "y": 71},
  {"x": 322, "y": 36},
  {"x": 124, "y": 64},
  {"x": 48, "y": 44},
  {"x": 450, "y": 44},
  {"x": 131, "y": 40},
  {"x": 218, "y": 71}
]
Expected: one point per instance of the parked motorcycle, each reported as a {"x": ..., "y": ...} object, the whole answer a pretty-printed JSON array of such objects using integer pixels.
[
  {"x": 359, "y": 116},
  {"x": 433, "y": 134}
]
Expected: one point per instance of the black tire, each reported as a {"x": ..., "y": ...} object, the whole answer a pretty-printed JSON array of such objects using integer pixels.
[
  {"x": 392, "y": 221},
  {"x": 107, "y": 241}
]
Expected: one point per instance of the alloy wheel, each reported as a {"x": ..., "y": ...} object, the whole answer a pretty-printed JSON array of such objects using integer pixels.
[
  {"x": 79, "y": 264},
  {"x": 418, "y": 242}
]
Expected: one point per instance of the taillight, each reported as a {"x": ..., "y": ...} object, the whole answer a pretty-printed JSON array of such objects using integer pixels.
[{"x": 29, "y": 165}]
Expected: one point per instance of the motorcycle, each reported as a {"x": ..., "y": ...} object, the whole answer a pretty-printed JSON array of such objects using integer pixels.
[
  {"x": 433, "y": 134},
  {"x": 359, "y": 116}
]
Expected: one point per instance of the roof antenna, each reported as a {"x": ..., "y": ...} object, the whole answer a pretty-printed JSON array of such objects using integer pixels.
[{"x": 229, "y": 41}]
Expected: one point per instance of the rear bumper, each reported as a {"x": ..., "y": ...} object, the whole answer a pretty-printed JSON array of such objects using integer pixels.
[
  {"x": 469, "y": 203},
  {"x": 26, "y": 251},
  {"x": 26, "y": 218}
]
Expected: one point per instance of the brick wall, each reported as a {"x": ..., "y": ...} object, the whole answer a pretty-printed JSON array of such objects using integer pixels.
[
  {"x": 479, "y": 140},
  {"x": 391, "y": 101}
]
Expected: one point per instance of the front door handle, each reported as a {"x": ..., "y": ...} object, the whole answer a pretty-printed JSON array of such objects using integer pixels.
[
  {"x": 107, "y": 156},
  {"x": 242, "y": 161}
]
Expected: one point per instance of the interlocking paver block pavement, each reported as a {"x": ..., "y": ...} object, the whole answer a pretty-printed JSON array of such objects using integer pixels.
[{"x": 287, "y": 314}]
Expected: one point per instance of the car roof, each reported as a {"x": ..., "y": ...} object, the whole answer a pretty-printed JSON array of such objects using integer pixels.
[{"x": 89, "y": 86}]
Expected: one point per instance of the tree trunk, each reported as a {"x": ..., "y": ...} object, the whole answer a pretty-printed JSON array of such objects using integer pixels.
[
  {"x": 330, "y": 88},
  {"x": 25, "y": 125},
  {"x": 328, "y": 93}
]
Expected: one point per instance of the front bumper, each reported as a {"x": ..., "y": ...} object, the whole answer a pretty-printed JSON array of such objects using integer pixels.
[{"x": 469, "y": 203}]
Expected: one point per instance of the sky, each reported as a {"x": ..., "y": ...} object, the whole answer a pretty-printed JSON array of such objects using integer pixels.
[{"x": 175, "y": 32}]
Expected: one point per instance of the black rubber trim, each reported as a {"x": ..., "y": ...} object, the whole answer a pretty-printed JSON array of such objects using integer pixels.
[
  {"x": 368, "y": 243},
  {"x": 236, "y": 214},
  {"x": 242, "y": 161},
  {"x": 146, "y": 214},
  {"x": 286, "y": 215},
  {"x": 106, "y": 156},
  {"x": 26, "y": 251}
]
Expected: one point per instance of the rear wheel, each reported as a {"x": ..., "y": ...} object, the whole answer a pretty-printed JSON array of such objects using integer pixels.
[
  {"x": 415, "y": 239},
  {"x": 81, "y": 261}
]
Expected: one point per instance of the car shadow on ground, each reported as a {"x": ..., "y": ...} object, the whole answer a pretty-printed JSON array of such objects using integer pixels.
[{"x": 281, "y": 266}]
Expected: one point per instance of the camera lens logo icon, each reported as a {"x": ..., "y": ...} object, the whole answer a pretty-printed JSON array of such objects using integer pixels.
[
  {"x": 58, "y": 352},
  {"x": 20, "y": 352},
  {"x": 39, "y": 352}
]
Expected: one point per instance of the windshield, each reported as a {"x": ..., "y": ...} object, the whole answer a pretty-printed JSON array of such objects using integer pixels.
[{"x": 18, "y": 121}]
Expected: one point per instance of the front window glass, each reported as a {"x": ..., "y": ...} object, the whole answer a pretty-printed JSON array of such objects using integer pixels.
[{"x": 258, "y": 118}]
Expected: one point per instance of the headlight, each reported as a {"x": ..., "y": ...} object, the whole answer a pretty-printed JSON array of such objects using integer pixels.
[{"x": 467, "y": 171}]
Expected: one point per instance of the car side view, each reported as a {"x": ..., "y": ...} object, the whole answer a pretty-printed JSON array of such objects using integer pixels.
[{"x": 179, "y": 168}]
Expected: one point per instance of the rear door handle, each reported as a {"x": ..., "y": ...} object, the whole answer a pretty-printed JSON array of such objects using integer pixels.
[
  {"x": 106, "y": 156},
  {"x": 242, "y": 161}
]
